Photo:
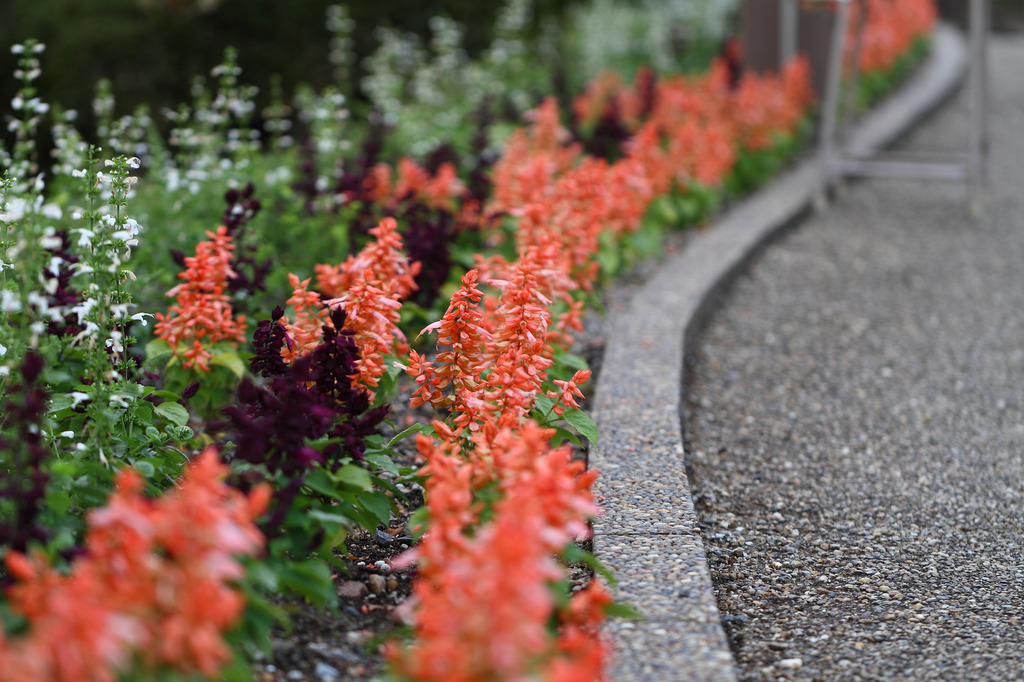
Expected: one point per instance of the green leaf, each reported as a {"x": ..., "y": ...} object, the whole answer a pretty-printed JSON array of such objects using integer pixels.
[
  {"x": 619, "y": 609},
  {"x": 574, "y": 554},
  {"x": 327, "y": 517},
  {"x": 319, "y": 481},
  {"x": 60, "y": 402},
  {"x": 414, "y": 429},
  {"x": 58, "y": 502},
  {"x": 173, "y": 412},
  {"x": 389, "y": 486},
  {"x": 609, "y": 261},
  {"x": 261, "y": 575},
  {"x": 568, "y": 435},
  {"x": 377, "y": 503},
  {"x": 232, "y": 362},
  {"x": 543, "y": 404},
  {"x": 179, "y": 433},
  {"x": 157, "y": 347},
  {"x": 417, "y": 522},
  {"x": 383, "y": 461},
  {"x": 310, "y": 579},
  {"x": 355, "y": 476},
  {"x": 145, "y": 468},
  {"x": 363, "y": 517},
  {"x": 582, "y": 422},
  {"x": 569, "y": 360}
]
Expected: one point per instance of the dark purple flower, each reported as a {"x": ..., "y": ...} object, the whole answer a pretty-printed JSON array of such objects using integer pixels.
[
  {"x": 311, "y": 399},
  {"x": 268, "y": 340},
  {"x": 23, "y": 485}
]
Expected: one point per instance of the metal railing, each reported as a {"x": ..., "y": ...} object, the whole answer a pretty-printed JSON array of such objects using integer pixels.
[{"x": 837, "y": 161}]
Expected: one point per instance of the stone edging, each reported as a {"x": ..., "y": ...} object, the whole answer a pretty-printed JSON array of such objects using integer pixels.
[{"x": 649, "y": 534}]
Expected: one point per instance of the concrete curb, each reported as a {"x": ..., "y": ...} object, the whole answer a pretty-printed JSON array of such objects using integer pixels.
[{"x": 649, "y": 535}]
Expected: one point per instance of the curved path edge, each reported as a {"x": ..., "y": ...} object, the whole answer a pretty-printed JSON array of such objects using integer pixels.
[{"x": 648, "y": 534}]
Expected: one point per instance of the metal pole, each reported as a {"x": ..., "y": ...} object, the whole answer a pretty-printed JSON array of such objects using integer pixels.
[
  {"x": 788, "y": 19},
  {"x": 850, "y": 104},
  {"x": 986, "y": 92},
  {"x": 832, "y": 92},
  {"x": 977, "y": 95}
]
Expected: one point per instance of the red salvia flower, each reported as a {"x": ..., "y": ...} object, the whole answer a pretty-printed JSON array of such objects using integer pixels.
[
  {"x": 202, "y": 315},
  {"x": 152, "y": 587}
]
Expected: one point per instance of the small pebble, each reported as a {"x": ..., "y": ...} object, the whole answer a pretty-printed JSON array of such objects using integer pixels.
[
  {"x": 377, "y": 583},
  {"x": 326, "y": 673}
]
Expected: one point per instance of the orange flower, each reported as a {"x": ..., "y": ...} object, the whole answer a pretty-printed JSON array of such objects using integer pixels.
[
  {"x": 370, "y": 286},
  {"x": 600, "y": 93},
  {"x": 372, "y": 312},
  {"x": 384, "y": 257},
  {"x": 310, "y": 318},
  {"x": 483, "y": 601},
  {"x": 153, "y": 585},
  {"x": 890, "y": 30},
  {"x": 461, "y": 330},
  {"x": 569, "y": 389},
  {"x": 202, "y": 315}
]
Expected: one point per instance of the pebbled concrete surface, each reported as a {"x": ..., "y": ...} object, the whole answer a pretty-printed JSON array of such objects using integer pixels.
[
  {"x": 650, "y": 533},
  {"x": 856, "y": 424}
]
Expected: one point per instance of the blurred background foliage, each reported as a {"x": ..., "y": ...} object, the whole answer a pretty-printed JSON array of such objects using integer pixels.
[{"x": 150, "y": 49}]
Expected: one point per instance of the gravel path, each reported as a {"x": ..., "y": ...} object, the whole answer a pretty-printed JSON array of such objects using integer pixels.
[{"x": 856, "y": 429}]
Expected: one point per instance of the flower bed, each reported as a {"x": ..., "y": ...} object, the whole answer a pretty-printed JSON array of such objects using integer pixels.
[{"x": 109, "y": 510}]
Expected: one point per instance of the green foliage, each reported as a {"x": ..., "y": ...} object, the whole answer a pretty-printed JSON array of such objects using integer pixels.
[
  {"x": 875, "y": 85},
  {"x": 754, "y": 168}
]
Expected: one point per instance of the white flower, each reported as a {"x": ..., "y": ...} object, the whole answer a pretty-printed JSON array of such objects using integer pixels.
[
  {"x": 134, "y": 162},
  {"x": 5, "y": 371},
  {"x": 78, "y": 397},
  {"x": 81, "y": 268},
  {"x": 17, "y": 49},
  {"x": 15, "y": 210},
  {"x": 141, "y": 317},
  {"x": 3, "y": 350},
  {"x": 50, "y": 242},
  {"x": 67, "y": 434},
  {"x": 126, "y": 237},
  {"x": 83, "y": 308},
  {"x": 53, "y": 268},
  {"x": 53, "y": 211},
  {"x": 118, "y": 400},
  {"x": 84, "y": 237},
  {"x": 90, "y": 330},
  {"x": 114, "y": 342},
  {"x": 9, "y": 302},
  {"x": 76, "y": 173}
]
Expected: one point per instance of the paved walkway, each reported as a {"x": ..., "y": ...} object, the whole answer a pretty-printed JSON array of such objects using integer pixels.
[{"x": 856, "y": 429}]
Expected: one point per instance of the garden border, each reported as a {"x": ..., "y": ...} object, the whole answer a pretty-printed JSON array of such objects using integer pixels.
[{"x": 648, "y": 534}]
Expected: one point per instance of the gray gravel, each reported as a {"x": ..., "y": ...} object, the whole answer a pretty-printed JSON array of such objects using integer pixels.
[{"x": 856, "y": 429}]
